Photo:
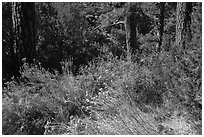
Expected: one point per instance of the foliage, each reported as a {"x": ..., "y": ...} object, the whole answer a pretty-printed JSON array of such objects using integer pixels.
[
  {"x": 85, "y": 85},
  {"x": 112, "y": 96},
  {"x": 39, "y": 98}
]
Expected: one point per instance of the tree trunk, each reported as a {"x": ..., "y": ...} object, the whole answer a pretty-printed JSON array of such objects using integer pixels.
[
  {"x": 28, "y": 30},
  {"x": 15, "y": 48},
  {"x": 23, "y": 21},
  {"x": 183, "y": 23},
  {"x": 180, "y": 26},
  {"x": 187, "y": 21},
  {"x": 161, "y": 20},
  {"x": 131, "y": 29},
  {"x": 127, "y": 33}
]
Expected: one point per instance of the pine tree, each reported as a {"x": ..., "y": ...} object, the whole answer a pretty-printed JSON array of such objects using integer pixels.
[
  {"x": 131, "y": 28},
  {"x": 183, "y": 23},
  {"x": 28, "y": 30},
  {"x": 161, "y": 20},
  {"x": 23, "y": 22}
]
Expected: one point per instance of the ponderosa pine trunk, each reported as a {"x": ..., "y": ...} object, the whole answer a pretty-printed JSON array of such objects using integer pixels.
[
  {"x": 131, "y": 29},
  {"x": 161, "y": 27},
  {"x": 183, "y": 25},
  {"x": 28, "y": 30},
  {"x": 16, "y": 35},
  {"x": 187, "y": 21},
  {"x": 23, "y": 35}
]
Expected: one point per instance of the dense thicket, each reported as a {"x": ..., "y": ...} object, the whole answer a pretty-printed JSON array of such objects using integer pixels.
[{"x": 102, "y": 68}]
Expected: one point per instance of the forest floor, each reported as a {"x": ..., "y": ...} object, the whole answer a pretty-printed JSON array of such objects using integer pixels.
[{"x": 111, "y": 96}]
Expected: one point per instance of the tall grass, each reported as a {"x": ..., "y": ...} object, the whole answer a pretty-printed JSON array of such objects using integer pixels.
[{"x": 111, "y": 96}]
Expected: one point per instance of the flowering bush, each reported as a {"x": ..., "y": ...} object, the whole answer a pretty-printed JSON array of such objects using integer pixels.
[{"x": 111, "y": 96}]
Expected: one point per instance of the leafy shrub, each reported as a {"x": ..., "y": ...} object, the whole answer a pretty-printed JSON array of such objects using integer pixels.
[
  {"x": 39, "y": 97},
  {"x": 112, "y": 110},
  {"x": 111, "y": 96}
]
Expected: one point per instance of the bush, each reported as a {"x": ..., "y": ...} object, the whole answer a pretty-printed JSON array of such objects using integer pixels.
[
  {"x": 39, "y": 97},
  {"x": 111, "y": 96}
]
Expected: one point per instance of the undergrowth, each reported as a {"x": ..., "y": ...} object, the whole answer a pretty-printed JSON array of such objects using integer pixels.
[{"x": 111, "y": 96}]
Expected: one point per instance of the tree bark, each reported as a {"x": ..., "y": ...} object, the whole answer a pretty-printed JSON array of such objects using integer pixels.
[
  {"x": 127, "y": 33},
  {"x": 187, "y": 21},
  {"x": 131, "y": 29},
  {"x": 161, "y": 20},
  {"x": 183, "y": 24},
  {"x": 28, "y": 30},
  {"x": 23, "y": 35},
  {"x": 180, "y": 25},
  {"x": 15, "y": 49}
]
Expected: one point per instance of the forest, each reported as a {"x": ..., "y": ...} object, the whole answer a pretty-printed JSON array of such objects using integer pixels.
[{"x": 102, "y": 68}]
